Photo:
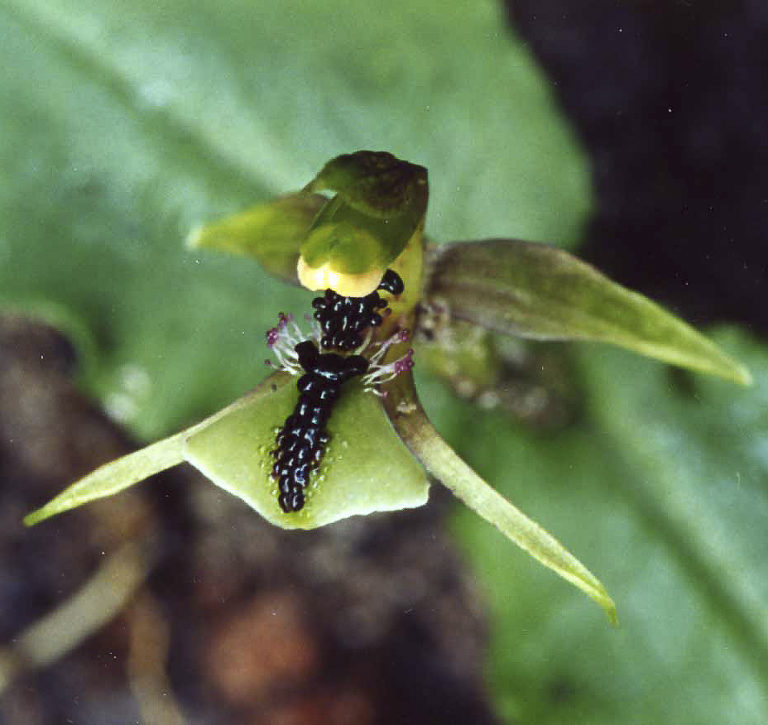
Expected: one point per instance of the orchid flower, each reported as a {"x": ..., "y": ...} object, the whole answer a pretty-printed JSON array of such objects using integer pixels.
[{"x": 383, "y": 451}]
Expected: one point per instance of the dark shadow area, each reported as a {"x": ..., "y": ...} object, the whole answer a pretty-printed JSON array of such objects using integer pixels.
[{"x": 671, "y": 100}]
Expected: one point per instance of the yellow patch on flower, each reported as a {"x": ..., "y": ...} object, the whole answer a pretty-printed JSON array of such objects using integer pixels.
[{"x": 347, "y": 285}]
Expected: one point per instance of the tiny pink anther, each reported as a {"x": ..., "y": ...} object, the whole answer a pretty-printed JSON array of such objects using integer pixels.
[
  {"x": 272, "y": 336},
  {"x": 404, "y": 364}
]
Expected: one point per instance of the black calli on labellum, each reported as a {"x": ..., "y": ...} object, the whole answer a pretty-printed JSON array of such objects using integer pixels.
[{"x": 343, "y": 324}]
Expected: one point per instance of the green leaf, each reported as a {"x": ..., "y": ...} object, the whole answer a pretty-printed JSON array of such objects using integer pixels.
[
  {"x": 271, "y": 233},
  {"x": 701, "y": 452},
  {"x": 541, "y": 292},
  {"x": 662, "y": 487},
  {"x": 124, "y": 125},
  {"x": 444, "y": 464},
  {"x": 365, "y": 467}
]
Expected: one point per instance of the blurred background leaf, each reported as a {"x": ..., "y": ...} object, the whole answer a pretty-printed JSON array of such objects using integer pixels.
[
  {"x": 124, "y": 125},
  {"x": 662, "y": 490}
]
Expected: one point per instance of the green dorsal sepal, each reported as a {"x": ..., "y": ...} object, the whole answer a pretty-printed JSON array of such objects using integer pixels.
[{"x": 380, "y": 202}]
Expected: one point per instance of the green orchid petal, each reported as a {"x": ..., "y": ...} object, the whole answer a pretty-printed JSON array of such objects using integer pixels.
[
  {"x": 271, "y": 233},
  {"x": 443, "y": 463},
  {"x": 366, "y": 468},
  {"x": 541, "y": 292},
  {"x": 379, "y": 205}
]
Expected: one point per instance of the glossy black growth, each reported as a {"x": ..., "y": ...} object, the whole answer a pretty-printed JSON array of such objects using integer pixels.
[
  {"x": 344, "y": 320},
  {"x": 302, "y": 439}
]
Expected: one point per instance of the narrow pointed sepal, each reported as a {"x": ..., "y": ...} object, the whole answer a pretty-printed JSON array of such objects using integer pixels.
[
  {"x": 271, "y": 233},
  {"x": 113, "y": 477},
  {"x": 444, "y": 464},
  {"x": 541, "y": 292}
]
